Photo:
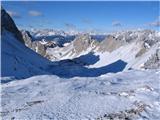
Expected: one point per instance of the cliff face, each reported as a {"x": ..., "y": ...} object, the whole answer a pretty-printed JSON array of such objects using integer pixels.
[
  {"x": 110, "y": 44},
  {"x": 38, "y": 46},
  {"x": 17, "y": 60},
  {"x": 83, "y": 42},
  {"x": 8, "y": 24},
  {"x": 154, "y": 61}
]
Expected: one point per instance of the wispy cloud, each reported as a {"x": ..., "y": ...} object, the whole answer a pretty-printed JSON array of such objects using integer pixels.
[
  {"x": 14, "y": 14},
  {"x": 70, "y": 26},
  {"x": 116, "y": 23},
  {"x": 155, "y": 23},
  {"x": 34, "y": 13}
]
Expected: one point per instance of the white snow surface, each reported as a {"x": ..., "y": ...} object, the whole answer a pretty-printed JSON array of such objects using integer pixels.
[
  {"x": 18, "y": 60},
  {"x": 127, "y": 53},
  {"x": 47, "y": 97}
]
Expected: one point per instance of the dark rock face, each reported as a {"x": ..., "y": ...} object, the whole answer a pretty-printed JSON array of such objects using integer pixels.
[
  {"x": 158, "y": 54},
  {"x": 8, "y": 24}
]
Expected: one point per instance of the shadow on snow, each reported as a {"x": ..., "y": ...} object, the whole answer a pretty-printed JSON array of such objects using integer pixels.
[{"x": 78, "y": 67}]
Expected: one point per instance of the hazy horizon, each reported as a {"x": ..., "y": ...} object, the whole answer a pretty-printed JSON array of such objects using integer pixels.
[{"x": 106, "y": 16}]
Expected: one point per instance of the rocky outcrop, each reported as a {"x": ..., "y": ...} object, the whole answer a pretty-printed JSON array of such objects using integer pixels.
[
  {"x": 27, "y": 38},
  {"x": 158, "y": 54},
  {"x": 38, "y": 46},
  {"x": 113, "y": 41},
  {"x": 8, "y": 24},
  {"x": 141, "y": 52},
  {"x": 154, "y": 61},
  {"x": 17, "y": 60},
  {"x": 148, "y": 38},
  {"x": 83, "y": 42},
  {"x": 110, "y": 44},
  {"x": 34, "y": 45},
  {"x": 130, "y": 114},
  {"x": 144, "y": 48}
]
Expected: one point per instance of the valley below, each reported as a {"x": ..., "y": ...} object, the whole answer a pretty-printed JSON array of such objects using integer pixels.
[{"x": 56, "y": 75}]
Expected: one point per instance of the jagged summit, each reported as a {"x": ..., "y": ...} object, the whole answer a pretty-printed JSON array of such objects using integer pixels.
[
  {"x": 82, "y": 42},
  {"x": 8, "y": 24},
  {"x": 85, "y": 76},
  {"x": 18, "y": 60},
  {"x": 135, "y": 48}
]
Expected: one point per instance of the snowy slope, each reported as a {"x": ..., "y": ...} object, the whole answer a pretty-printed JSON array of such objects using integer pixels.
[
  {"x": 126, "y": 95},
  {"x": 133, "y": 47},
  {"x": 87, "y": 85},
  {"x": 128, "y": 54},
  {"x": 18, "y": 60},
  {"x": 81, "y": 45}
]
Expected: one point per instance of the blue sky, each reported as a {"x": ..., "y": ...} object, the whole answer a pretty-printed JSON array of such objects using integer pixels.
[{"x": 100, "y": 16}]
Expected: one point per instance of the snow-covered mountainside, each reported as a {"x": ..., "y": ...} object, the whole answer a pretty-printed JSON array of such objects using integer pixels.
[
  {"x": 58, "y": 36},
  {"x": 41, "y": 40},
  {"x": 133, "y": 47},
  {"x": 36, "y": 45},
  {"x": 122, "y": 96},
  {"x": 17, "y": 59},
  {"x": 86, "y": 79},
  {"x": 79, "y": 46}
]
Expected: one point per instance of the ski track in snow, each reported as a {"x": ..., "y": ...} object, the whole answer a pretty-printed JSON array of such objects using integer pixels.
[{"x": 46, "y": 97}]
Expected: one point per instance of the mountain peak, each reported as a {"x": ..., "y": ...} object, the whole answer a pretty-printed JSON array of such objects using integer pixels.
[{"x": 8, "y": 24}]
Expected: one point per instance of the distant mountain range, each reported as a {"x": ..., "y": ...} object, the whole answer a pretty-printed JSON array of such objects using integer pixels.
[
  {"x": 54, "y": 76},
  {"x": 136, "y": 47}
]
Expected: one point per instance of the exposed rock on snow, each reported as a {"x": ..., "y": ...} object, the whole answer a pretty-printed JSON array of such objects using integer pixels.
[
  {"x": 82, "y": 43},
  {"x": 110, "y": 44},
  {"x": 133, "y": 47},
  {"x": 142, "y": 50},
  {"x": 154, "y": 61},
  {"x": 38, "y": 46},
  {"x": 50, "y": 97},
  {"x": 29, "y": 91},
  {"x": 158, "y": 54},
  {"x": 18, "y": 60},
  {"x": 127, "y": 114},
  {"x": 27, "y": 38}
]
